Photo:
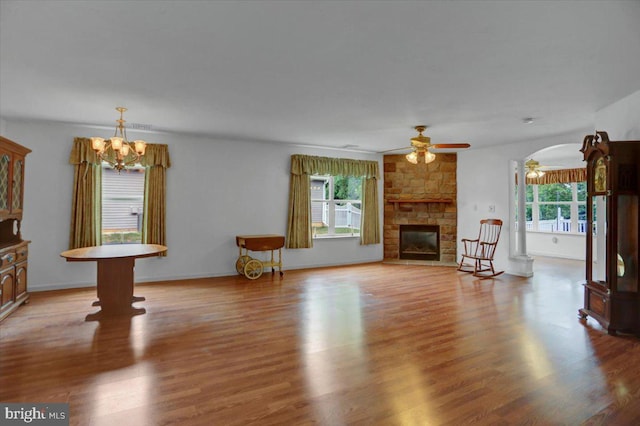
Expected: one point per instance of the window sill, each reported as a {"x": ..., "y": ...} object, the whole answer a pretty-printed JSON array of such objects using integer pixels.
[
  {"x": 579, "y": 234},
  {"x": 335, "y": 236}
]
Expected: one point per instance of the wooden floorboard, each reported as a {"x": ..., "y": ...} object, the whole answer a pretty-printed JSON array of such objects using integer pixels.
[{"x": 366, "y": 344}]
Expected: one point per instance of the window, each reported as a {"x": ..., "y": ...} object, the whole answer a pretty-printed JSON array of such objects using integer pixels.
[
  {"x": 86, "y": 223},
  {"x": 122, "y": 205},
  {"x": 556, "y": 207},
  {"x": 335, "y": 205}
]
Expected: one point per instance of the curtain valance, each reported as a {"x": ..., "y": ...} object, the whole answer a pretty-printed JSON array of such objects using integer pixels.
[
  {"x": 559, "y": 176},
  {"x": 156, "y": 155},
  {"x": 310, "y": 165}
]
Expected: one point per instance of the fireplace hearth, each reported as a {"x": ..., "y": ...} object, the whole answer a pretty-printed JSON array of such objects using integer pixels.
[{"x": 420, "y": 242}]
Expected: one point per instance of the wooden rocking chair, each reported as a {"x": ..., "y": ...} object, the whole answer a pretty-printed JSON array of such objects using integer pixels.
[{"x": 481, "y": 250}]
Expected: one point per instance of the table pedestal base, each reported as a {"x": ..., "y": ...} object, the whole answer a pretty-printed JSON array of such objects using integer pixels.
[
  {"x": 134, "y": 299},
  {"x": 115, "y": 289}
]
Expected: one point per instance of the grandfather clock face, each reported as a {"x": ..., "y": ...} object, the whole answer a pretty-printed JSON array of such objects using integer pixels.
[{"x": 600, "y": 176}]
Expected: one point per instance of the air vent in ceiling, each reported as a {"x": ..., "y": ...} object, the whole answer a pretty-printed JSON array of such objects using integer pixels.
[{"x": 138, "y": 126}]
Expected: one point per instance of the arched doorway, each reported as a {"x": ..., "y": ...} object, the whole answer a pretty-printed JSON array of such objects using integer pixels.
[{"x": 553, "y": 224}]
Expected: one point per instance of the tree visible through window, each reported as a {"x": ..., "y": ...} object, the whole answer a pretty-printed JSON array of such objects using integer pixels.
[
  {"x": 336, "y": 203},
  {"x": 557, "y": 207},
  {"x": 122, "y": 205}
]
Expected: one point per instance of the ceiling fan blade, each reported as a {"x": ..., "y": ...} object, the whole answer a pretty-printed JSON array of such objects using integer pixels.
[
  {"x": 450, "y": 145},
  {"x": 405, "y": 148}
]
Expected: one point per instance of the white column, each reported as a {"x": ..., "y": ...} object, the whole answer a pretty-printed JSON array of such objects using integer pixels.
[
  {"x": 521, "y": 264},
  {"x": 522, "y": 210}
]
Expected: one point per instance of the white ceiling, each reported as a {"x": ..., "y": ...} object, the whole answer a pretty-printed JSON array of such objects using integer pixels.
[{"x": 329, "y": 73}]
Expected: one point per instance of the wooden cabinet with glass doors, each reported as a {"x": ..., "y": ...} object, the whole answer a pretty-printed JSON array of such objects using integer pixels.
[
  {"x": 13, "y": 249},
  {"x": 611, "y": 287}
]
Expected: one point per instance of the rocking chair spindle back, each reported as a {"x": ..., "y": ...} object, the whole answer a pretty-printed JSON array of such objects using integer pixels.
[{"x": 481, "y": 250}]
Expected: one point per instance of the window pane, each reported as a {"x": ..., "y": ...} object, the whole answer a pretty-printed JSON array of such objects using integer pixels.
[
  {"x": 582, "y": 191},
  {"x": 122, "y": 206},
  {"x": 319, "y": 188},
  {"x": 582, "y": 218},
  {"x": 529, "y": 213},
  {"x": 582, "y": 212},
  {"x": 529, "y": 193},
  {"x": 319, "y": 220},
  {"x": 347, "y": 188},
  {"x": 555, "y": 218},
  {"x": 347, "y": 218},
  {"x": 555, "y": 192},
  {"x": 337, "y": 196}
]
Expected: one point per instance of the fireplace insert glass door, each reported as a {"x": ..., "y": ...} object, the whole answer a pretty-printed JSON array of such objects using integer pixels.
[{"x": 420, "y": 242}]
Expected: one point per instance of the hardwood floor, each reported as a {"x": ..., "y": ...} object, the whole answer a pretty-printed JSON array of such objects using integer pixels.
[{"x": 368, "y": 344}]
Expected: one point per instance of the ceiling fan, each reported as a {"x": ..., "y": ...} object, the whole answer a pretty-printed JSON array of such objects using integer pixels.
[
  {"x": 533, "y": 169},
  {"x": 421, "y": 145}
]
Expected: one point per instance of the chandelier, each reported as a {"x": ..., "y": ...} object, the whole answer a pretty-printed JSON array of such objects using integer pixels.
[{"x": 123, "y": 153}]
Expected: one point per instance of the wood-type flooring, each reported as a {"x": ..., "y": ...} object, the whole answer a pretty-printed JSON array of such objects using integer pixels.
[{"x": 373, "y": 344}]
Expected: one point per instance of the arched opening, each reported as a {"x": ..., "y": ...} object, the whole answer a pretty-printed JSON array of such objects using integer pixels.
[{"x": 553, "y": 223}]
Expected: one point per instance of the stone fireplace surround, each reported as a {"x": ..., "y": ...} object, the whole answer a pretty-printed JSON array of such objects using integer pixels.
[{"x": 420, "y": 194}]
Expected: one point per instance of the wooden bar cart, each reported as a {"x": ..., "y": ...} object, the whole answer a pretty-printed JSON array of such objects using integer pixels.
[{"x": 253, "y": 268}]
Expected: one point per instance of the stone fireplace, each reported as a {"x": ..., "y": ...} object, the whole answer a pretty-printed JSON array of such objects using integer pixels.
[{"x": 422, "y": 196}]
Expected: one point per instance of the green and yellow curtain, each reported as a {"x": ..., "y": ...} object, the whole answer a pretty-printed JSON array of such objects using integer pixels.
[
  {"x": 156, "y": 162},
  {"x": 86, "y": 204},
  {"x": 86, "y": 209},
  {"x": 299, "y": 234}
]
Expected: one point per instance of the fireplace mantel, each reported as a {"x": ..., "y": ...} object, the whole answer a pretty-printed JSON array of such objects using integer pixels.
[{"x": 396, "y": 202}]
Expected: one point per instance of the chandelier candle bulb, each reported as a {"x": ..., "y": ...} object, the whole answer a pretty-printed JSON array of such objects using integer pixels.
[
  {"x": 116, "y": 143},
  {"x": 97, "y": 144},
  {"x": 140, "y": 147}
]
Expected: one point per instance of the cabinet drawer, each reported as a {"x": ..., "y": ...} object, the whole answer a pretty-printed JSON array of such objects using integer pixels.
[
  {"x": 22, "y": 253},
  {"x": 7, "y": 259}
]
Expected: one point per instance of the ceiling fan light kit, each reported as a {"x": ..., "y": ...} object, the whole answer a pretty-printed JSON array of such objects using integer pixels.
[
  {"x": 412, "y": 157},
  {"x": 421, "y": 144},
  {"x": 532, "y": 169}
]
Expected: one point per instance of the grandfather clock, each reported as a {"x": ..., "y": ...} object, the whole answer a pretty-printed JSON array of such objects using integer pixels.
[{"x": 611, "y": 287}]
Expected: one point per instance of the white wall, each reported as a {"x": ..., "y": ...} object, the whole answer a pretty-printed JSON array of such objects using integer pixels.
[
  {"x": 216, "y": 189},
  {"x": 621, "y": 120},
  {"x": 567, "y": 246}
]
